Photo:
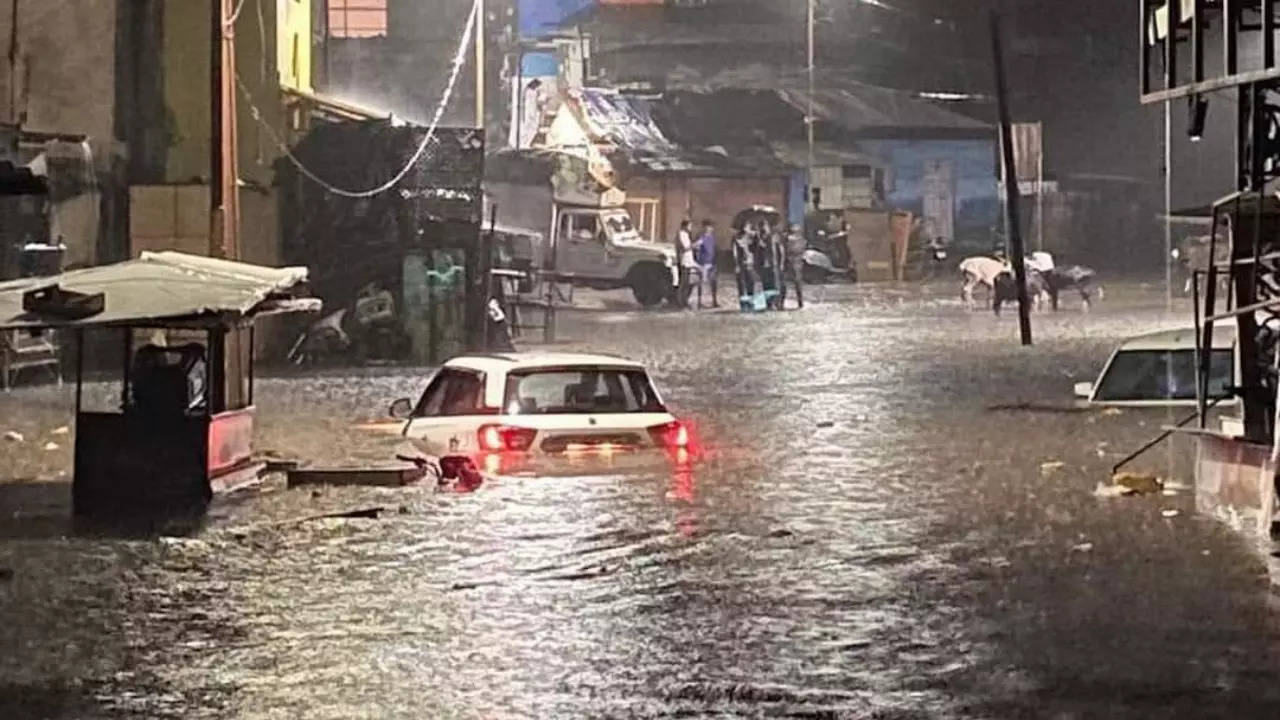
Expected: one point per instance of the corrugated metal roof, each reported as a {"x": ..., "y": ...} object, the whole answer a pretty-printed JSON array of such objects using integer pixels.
[
  {"x": 624, "y": 121},
  {"x": 160, "y": 287},
  {"x": 857, "y": 107}
]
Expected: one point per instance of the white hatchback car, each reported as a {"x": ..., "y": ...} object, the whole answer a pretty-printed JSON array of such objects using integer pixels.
[{"x": 549, "y": 403}]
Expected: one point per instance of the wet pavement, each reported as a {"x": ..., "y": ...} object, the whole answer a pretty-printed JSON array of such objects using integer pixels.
[{"x": 871, "y": 534}]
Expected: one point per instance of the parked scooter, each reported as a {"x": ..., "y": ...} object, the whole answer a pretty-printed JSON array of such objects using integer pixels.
[
  {"x": 368, "y": 329},
  {"x": 828, "y": 257}
]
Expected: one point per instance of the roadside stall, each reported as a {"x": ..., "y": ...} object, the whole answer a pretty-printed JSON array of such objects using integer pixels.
[{"x": 184, "y": 425}]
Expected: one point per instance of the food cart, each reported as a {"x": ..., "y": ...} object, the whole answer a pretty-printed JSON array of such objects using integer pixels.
[{"x": 184, "y": 324}]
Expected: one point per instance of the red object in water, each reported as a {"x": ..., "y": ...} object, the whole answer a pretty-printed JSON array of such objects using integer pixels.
[
  {"x": 670, "y": 435},
  {"x": 496, "y": 438},
  {"x": 462, "y": 471}
]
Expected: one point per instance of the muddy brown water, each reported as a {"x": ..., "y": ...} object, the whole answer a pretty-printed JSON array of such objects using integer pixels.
[{"x": 864, "y": 538}]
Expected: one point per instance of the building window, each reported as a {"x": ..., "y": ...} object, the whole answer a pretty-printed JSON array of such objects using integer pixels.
[{"x": 357, "y": 18}]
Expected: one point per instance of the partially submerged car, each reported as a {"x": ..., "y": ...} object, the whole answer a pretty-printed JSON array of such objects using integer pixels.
[
  {"x": 1159, "y": 369},
  {"x": 539, "y": 403}
]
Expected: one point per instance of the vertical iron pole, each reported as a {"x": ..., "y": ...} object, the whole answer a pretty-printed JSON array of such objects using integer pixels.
[
  {"x": 1144, "y": 56},
  {"x": 1011, "y": 185},
  {"x": 79, "y": 371},
  {"x": 1230, "y": 18},
  {"x": 1197, "y": 41},
  {"x": 1202, "y": 375},
  {"x": 253, "y": 342},
  {"x": 1268, "y": 34},
  {"x": 126, "y": 342},
  {"x": 480, "y": 65},
  {"x": 1168, "y": 206},
  {"x": 13, "y": 63},
  {"x": 808, "y": 118}
]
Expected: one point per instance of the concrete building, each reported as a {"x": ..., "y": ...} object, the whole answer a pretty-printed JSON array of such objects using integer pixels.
[
  {"x": 395, "y": 55},
  {"x": 132, "y": 78},
  {"x": 58, "y": 92}
]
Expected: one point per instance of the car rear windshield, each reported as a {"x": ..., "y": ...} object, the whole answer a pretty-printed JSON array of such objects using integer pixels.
[
  {"x": 595, "y": 390},
  {"x": 1162, "y": 375}
]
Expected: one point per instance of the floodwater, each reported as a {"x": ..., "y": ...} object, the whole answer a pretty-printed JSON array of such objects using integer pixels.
[{"x": 870, "y": 534}]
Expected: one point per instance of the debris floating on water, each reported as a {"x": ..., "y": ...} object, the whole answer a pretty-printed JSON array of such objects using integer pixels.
[
  {"x": 1083, "y": 547},
  {"x": 63, "y": 430},
  {"x": 1112, "y": 411},
  {"x": 1138, "y": 483},
  {"x": 826, "y": 424},
  {"x": 50, "y": 446},
  {"x": 1169, "y": 513},
  {"x": 1053, "y": 466},
  {"x": 14, "y": 436}
]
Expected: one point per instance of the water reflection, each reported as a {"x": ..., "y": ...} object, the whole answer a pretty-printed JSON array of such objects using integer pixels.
[{"x": 855, "y": 536}]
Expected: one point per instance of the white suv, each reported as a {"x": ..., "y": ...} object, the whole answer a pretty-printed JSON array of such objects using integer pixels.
[{"x": 539, "y": 403}]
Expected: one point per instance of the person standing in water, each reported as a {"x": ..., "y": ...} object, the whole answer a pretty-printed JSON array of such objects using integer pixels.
[
  {"x": 794, "y": 248},
  {"x": 704, "y": 253},
  {"x": 744, "y": 265},
  {"x": 768, "y": 264},
  {"x": 684, "y": 258}
]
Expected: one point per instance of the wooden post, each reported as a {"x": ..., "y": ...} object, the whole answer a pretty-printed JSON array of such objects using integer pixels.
[{"x": 1011, "y": 186}]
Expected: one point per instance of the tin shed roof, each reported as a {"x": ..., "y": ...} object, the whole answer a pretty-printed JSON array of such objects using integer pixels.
[{"x": 164, "y": 288}]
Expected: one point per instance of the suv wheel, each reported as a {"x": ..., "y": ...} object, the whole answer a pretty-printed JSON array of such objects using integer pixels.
[{"x": 651, "y": 284}]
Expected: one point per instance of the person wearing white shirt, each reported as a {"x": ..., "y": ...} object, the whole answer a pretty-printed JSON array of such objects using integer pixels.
[{"x": 684, "y": 254}]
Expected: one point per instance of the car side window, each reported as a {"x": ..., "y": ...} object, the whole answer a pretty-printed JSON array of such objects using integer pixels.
[{"x": 452, "y": 392}]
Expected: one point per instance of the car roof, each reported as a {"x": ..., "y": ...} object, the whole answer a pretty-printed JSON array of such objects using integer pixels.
[
  {"x": 1224, "y": 335},
  {"x": 507, "y": 362}
]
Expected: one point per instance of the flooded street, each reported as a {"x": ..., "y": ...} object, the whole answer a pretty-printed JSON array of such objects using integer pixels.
[{"x": 873, "y": 533}]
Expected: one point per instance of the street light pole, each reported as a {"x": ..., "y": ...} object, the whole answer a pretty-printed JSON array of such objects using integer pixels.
[
  {"x": 808, "y": 120},
  {"x": 479, "y": 10}
]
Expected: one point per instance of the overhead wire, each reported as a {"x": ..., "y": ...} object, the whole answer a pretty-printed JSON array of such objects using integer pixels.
[
  {"x": 235, "y": 15},
  {"x": 459, "y": 60}
]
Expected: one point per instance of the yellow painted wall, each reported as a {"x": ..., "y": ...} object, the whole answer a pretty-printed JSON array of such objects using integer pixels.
[{"x": 293, "y": 43}]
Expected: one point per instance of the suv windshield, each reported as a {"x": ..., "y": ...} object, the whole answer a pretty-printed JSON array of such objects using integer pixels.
[
  {"x": 1162, "y": 375},
  {"x": 580, "y": 390},
  {"x": 620, "y": 225}
]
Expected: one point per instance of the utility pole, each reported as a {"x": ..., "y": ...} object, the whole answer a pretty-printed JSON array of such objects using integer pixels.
[
  {"x": 224, "y": 196},
  {"x": 1168, "y": 207},
  {"x": 479, "y": 10},
  {"x": 808, "y": 119},
  {"x": 13, "y": 65},
  {"x": 1011, "y": 185}
]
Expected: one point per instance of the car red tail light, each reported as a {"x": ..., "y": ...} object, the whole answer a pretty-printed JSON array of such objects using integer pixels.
[
  {"x": 671, "y": 435},
  {"x": 496, "y": 438}
]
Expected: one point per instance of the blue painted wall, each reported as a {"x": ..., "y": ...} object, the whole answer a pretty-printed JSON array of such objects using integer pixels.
[
  {"x": 538, "y": 17},
  {"x": 977, "y": 202},
  {"x": 795, "y": 197}
]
